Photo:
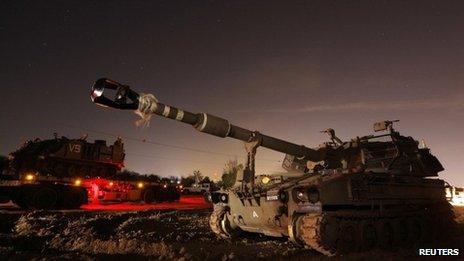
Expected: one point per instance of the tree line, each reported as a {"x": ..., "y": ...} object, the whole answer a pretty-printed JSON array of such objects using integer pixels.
[{"x": 228, "y": 177}]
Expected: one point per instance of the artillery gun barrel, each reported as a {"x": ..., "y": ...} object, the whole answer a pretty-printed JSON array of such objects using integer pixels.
[
  {"x": 220, "y": 127},
  {"x": 203, "y": 122}
]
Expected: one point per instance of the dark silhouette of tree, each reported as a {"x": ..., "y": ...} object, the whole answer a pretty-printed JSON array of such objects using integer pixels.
[
  {"x": 206, "y": 180},
  {"x": 153, "y": 178},
  {"x": 127, "y": 175},
  {"x": 187, "y": 181}
]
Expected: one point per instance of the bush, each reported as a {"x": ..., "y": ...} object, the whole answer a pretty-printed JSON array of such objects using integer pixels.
[{"x": 229, "y": 174}]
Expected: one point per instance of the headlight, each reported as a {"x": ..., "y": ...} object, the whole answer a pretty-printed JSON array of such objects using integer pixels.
[
  {"x": 29, "y": 177},
  {"x": 217, "y": 197},
  {"x": 77, "y": 182},
  {"x": 224, "y": 198},
  {"x": 299, "y": 195},
  {"x": 283, "y": 196},
  {"x": 310, "y": 194}
]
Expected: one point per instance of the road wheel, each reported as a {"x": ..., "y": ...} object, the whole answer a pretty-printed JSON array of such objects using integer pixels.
[
  {"x": 4, "y": 200},
  {"x": 429, "y": 228},
  {"x": 402, "y": 232},
  {"x": 446, "y": 222},
  {"x": 44, "y": 198},
  {"x": 160, "y": 195},
  {"x": 386, "y": 234},
  {"x": 20, "y": 198},
  {"x": 369, "y": 235},
  {"x": 349, "y": 237},
  {"x": 329, "y": 232},
  {"x": 221, "y": 225},
  {"x": 416, "y": 230},
  {"x": 148, "y": 196},
  {"x": 20, "y": 203},
  {"x": 176, "y": 195},
  {"x": 73, "y": 198}
]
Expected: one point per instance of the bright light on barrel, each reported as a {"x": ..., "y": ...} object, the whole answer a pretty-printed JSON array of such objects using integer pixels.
[
  {"x": 140, "y": 185},
  {"x": 77, "y": 182},
  {"x": 29, "y": 177}
]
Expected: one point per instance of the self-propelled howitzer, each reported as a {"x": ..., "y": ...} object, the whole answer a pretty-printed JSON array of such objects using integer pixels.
[{"x": 371, "y": 191}]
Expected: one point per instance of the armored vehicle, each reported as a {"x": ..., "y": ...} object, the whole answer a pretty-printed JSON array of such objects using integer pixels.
[
  {"x": 66, "y": 173},
  {"x": 122, "y": 189},
  {"x": 197, "y": 188},
  {"x": 45, "y": 174},
  {"x": 343, "y": 196}
]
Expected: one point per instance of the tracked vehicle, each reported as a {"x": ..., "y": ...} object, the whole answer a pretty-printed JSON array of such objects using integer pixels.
[
  {"x": 50, "y": 174},
  {"x": 63, "y": 173},
  {"x": 343, "y": 196}
]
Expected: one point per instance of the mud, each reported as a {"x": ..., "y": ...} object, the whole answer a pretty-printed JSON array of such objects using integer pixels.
[{"x": 153, "y": 234}]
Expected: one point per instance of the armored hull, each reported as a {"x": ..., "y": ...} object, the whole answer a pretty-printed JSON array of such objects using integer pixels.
[
  {"x": 68, "y": 158},
  {"x": 340, "y": 212}
]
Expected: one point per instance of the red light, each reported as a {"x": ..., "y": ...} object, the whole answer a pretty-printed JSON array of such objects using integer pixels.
[{"x": 185, "y": 202}]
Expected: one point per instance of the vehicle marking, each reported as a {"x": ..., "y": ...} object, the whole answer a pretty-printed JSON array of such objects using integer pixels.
[
  {"x": 255, "y": 215},
  {"x": 75, "y": 148},
  {"x": 272, "y": 197}
]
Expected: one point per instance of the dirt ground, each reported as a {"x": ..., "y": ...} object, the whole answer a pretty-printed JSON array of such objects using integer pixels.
[{"x": 153, "y": 234}]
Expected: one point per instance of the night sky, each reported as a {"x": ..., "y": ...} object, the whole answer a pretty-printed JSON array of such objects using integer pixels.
[{"x": 288, "y": 70}]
